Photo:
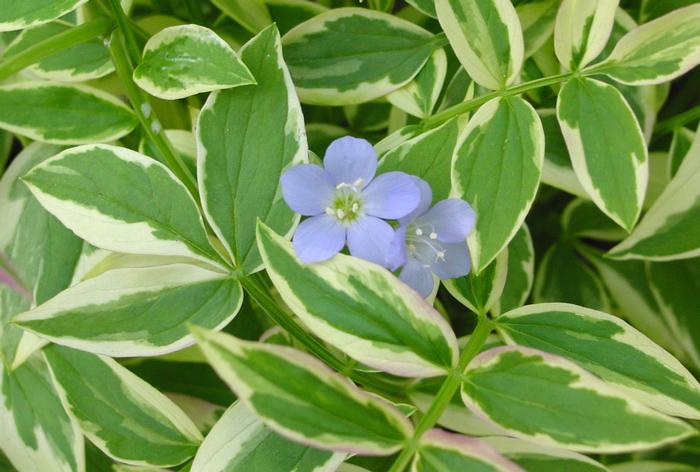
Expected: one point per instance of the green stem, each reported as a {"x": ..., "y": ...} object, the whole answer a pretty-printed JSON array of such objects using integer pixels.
[
  {"x": 469, "y": 105},
  {"x": 144, "y": 112},
  {"x": 132, "y": 46},
  {"x": 446, "y": 393},
  {"x": 255, "y": 289},
  {"x": 671, "y": 124},
  {"x": 77, "y": 35}
]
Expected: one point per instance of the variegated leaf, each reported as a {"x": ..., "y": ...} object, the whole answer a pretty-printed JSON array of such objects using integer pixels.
[
  {"x": 20, "y": 14},
  {"x": 535, "y": 458},
  {"x": 607, "y": 148},
  {"x": 502, "y": 148},
  {"x": 290, "y": 13},
  {"x": 657, "y": 51},
  {"x": 253, "y": 15},
  {"x": 84, "y": 61},
  {"x": 487, "y": 38},
  {"x": 125, "y": 417},
  {"x": 571, "y": 408},
  {"x": 440, "y": 451},
  {"x": 36, "y": 434},
  {"x": 240, "y": 442},
  {"x": 611, "y": 349},
  {"x": 361, "y": 309},
  {"x": 671, "y": 228},
  {"x": 419, "y": 96},
  {"x": 557, "y": 170},
  {"x": 582, "y": 29},
  {"x": 87, "y": 115},
  {"x": 186, "y": 60},
  {"x": 123, "y": 201},
  {"x": 480, "y": 292},
  {"x": 537, "y": 19},
  {"x": 520, "y": 274},
  {"x": 583, "y": 219},
  {"x": 238, "y": 187},
  {"x": 137, "y": 311},
  {"x": 353, "y": 55},
  {"x": 300, "y": 398}
]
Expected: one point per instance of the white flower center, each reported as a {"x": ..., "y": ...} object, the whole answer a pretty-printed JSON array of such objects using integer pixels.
[{"x": 347, "y": 202}]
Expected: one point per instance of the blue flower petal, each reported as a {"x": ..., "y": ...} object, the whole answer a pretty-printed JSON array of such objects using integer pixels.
[
  {"x": 351, "y": 161},
  {"x": 391, "y": 195},
  {"x": 426, "y": 199},
  {"x": 418, "y": 277},
  {"x": 455, "y": 263},
  {"x": 307, "y": 189},
  {"x": 370, "y": 238},
  {"x": 451, "y": 220},
  {"x": 318, "y": 238},
  {"x": 397, "y": 253}
]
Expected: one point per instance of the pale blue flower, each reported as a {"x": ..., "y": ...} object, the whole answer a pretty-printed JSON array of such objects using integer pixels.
[
  {"x": 346, "y": 203},
  {"x": 433, "y": 241}
]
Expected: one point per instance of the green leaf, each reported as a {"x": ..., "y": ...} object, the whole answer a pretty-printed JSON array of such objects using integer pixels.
[
  {"x": 141, "y": 311},
  {"x": 240, "y": 442},
  {"x": 607, "y": 147},
  {"x": 658, "y": 51},
  {"x": 582, "y": 29},
  {"x": 571, "y": 408},
  {"x": 35, "y": 431},
  {"x": 583, "y": 219},
  {"x": 487, "y": 38},
  {"x": 563, "y": 277},
  {"x": 428, "y": 156},
  {"x": 289, "y": 13},
  {"x": 651, "y": 466},
  {"x": 520, "y": 273},
  {"x": 85, "y": 61},
  {"x": 242, "y": 154},
  {"x": 610, "y": 348},
  {"x": 299, "y": 397},
  {"x": 480, "y": 292},
  {"x": 557, "y": 170},
  {"x": 39, "y": 252},
  {"x": 20, "y": 14},
  {"x": 186, "y": 60},
  {"x": 419, "y": 96},
  {"x": 427, "y": 7},
  {"x": 456, "y": 417},
  {"x": 680, "y": 145},
  {"x": 535, "y": 458},
  {"x": 440, "y": 451},
  {"x": 120, "y": 200},
  {"x": 496, "y": 169},
  {"x": 126, "y": 418},
  {"x": 537, "y": 19},
  {"x": 671, "y": 228},
  {"x": 63, "y": 114},
  {"x": 674, "y": 285},
  {"x": 352, "y": 55},
  {"x": 253, "y": 15},
  {"x": 361, "y": 309},
  {"x": 183, "y": 142},
  {"x": 630, "y": 288}
]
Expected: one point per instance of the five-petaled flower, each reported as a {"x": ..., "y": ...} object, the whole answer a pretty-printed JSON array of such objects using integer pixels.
[
  {"x": 433, "y": 241},
  {"x": 346, "y": 203}
]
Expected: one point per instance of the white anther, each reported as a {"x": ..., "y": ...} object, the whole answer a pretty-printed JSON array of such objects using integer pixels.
[
  {"x": 441, "y": 255},
  {"x": 433, "y": 235},
  {"x": 340, "y": 213},
  {"x": 355, "y": 207},
  {"x": 419, "y": 232},
  {"x": 329, "y": 211},
  {"x": 358, "y": 182}
]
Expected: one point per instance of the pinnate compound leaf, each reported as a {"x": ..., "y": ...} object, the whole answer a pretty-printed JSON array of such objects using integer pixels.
[
  {"x": 608, "y": 347},
  {"x": 486, "y": 37},
  {"x": 571, "y": 409},
  {"x": 352, "y": 55},
  {"x": 657, "y": 51},
  {"x": 440, "y": 451},
  {"x": 137, "y": 311},
  {"x": 246, "y": 137},
  {"x": 125, "y": 417},
  {"x": 300, "y": 398},
  {"x": 607, "y": 148},
  {"x": 20, "y": 14},
  {"x": 63, "y": 114},
  {"x": 186, "y": 60},
  {"x": 240, "y": 442},
  {"x": 362, "y": 309},
  {"x": 123, "y": 201},
  {"x": 496, "y": 169}
]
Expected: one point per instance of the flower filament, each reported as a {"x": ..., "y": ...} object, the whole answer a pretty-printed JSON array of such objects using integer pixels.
[
  {"x": 347, "y": 202},
  {"x": 422, "y": 244}
]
